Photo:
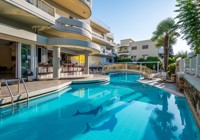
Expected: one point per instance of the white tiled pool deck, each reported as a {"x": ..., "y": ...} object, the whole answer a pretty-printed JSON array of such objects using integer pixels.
[{"x": 169, "y": 87}]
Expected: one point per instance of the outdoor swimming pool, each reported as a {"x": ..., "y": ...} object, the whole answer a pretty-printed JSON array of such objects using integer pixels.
[{"x": 120, "y": 110}]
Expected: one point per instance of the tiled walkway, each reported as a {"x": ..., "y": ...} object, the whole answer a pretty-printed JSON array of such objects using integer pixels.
[
  {"x": 32, "y": 86},
  {"x": 169, "y": 87},
  {"x": 41, "y": 87}
]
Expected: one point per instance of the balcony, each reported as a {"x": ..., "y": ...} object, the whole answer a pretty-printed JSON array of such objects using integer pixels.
[
  {"x": 110, "y": 35},
  {"x": 124, "y": 45},
  {"x": 99, "y": 25},
  {"x": 101, "y": 39},
  {"x": 71, "y": 28},
  {"x": 76, "y": 45},
  {"x": 123, "y": 53},
  {"x": 29, "y": 12},
  {"x": 82, "y": 8}
]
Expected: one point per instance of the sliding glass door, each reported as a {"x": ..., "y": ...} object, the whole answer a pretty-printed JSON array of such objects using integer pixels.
[{"x": 25, "y": 59}]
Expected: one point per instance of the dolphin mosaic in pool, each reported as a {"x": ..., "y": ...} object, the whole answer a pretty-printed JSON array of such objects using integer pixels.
[
  {"x": 91, "y": 112},
  {"x": 109, "y": 124}
]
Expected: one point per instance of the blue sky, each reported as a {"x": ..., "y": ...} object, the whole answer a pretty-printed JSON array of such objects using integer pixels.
[{"x": 135, "y": 19}]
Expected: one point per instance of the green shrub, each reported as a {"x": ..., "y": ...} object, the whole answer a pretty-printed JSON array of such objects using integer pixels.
[
  {"x": 141, "y": 60},
  {"x": 153, "y": 65},
  {"x": 171, "y": 69},
  {"x": 125, "y": 60},
  {"x": 171, "y": 60}
]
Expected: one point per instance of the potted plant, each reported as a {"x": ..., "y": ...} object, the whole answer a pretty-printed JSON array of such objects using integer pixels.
[
  {"x": 29, "y": 75},
  {"x": 171, "y": 71}
]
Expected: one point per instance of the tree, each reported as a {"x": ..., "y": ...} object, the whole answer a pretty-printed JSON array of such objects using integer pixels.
[
  {"x": 166, "y": 35},
  {"x": 181, "y": 54},
  {"x": 171, "y": 51},
  {"x": 189, "y": 22}
]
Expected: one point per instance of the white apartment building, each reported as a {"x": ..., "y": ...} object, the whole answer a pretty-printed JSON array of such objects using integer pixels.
[
  {"x": 137, "y": 49},
  {"x": 50, "y": 38}
]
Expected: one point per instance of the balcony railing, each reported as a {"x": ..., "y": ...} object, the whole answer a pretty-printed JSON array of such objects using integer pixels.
[
  {"x": 73, "y": 25},
  {"x": 88, "y": 2},
  {"x": 43, "y": 6},
  {"x": 191, "y": 66},
  {"x": 100, "y": 23},
  {"x": 120, "y": 52},
  {"x": 110, "y": 35},
  {"x": 98, "y": 35}
]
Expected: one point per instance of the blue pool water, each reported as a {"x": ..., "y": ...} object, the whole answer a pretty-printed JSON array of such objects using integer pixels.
[{"x": 120, "y": 110}]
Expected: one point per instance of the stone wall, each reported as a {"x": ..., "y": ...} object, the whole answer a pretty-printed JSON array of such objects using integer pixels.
[
  {"x": 180, "y": 81},
  {"x": 193, "y": 97}
]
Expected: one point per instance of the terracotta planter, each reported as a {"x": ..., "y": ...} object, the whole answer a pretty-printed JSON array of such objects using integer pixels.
[{"x": 173, "y": 77}]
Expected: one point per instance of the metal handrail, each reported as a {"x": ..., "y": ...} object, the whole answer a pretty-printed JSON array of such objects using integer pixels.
[
  {"x": 10, "y": 92},
  {"x": 25, "y": 89}
]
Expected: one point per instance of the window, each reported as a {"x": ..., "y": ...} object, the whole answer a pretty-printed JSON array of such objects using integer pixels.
[
  {"x": 134, "y": 48},
  {"x": 145, "y": 56},
  {"x": 133, "y": 58},
  {"x": 145, "y": 46}
]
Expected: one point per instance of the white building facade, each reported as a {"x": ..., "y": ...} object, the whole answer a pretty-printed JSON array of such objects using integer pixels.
[
  {"x": 47, "y": 38},
  {"x": 137, "y": 49}
]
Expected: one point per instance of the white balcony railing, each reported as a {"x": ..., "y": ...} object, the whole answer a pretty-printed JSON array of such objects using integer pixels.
[
  {"x": 191, "y": 66},
  {"x": 100, "y": 23},
  {"x": 123, "y": 52},
  {"x": 88, "y": 2},
  {"x": 43, "y": 6}
]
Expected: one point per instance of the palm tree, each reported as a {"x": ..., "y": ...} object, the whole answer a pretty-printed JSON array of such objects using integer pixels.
[
  {"x": 165, "y": 36},
  {"x": 189, "y": 22}
]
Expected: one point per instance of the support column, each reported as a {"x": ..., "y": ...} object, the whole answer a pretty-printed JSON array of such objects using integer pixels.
[
  {"x": 33, "y": 60},
  {"x": 87, "y": 63},
  {"x": 19, "y": 63},
  {"x": 184, "y": 65},
  {"x": 113, "y": 60},
  {"x": 56, "y": 62}
]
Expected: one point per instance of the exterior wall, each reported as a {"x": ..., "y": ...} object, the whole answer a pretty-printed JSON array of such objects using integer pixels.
[
  {"x": 126, "y": 42},
  {"x": 125, "y": 49},
  {"x": 140, "y": 52},
  {"x": 96, "y": 60},
  {"x": 106, "y": 41}
]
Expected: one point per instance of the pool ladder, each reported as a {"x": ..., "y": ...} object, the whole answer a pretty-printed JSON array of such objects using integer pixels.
[{"x": 9, "y": 90}]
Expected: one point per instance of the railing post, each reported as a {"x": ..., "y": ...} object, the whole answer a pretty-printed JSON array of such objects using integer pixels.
[
  {"x": 157, "y": 67},
  {"x": 140, "y": 67},
  {"x": 190, "y": 66},
  {"x": 11, "y": 95},
  {"x": 184, "y": 65},
  {"x": 19, "y": 85},
  {"x": 197, "y": 65},
  {"x": 25, "y": 89}
]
